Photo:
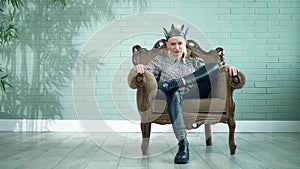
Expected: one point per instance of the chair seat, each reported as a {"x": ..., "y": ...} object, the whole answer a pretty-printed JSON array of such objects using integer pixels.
[{"x": 193, "y": 105}]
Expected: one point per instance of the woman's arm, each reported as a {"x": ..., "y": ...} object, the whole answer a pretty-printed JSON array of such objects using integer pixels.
[
  {"x": 140, "y": 68},
  {"x": 233, "y": 71}
]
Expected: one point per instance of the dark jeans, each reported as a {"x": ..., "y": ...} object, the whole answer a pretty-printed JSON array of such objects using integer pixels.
[{"x": 174, "y": 99}]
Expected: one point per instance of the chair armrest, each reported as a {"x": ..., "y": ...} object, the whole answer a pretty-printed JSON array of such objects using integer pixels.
[
  {"x": 238, "y": 81},
  {"x": 146, "y": 86},
  {"x": 134, "y": 79},
  {"x": 226, "y": 84},
  {"x": 146, "y": 80}
]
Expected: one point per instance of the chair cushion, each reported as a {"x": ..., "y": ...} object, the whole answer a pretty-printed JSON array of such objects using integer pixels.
[{"x": 193, "y": 105}]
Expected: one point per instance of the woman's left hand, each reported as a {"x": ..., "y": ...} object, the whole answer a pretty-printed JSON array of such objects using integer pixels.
[{"x": 233, "y": 71}]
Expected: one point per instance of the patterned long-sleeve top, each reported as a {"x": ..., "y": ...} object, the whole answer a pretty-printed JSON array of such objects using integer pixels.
[{"x": 169, "y": 67}]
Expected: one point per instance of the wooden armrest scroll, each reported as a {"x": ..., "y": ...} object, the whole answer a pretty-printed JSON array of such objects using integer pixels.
[
  {"x": 140, "y": 80},
  {"x": 132, "y": 79},
  {"x": 136, "y": 80},
  {"x": 238, "y": 81}
]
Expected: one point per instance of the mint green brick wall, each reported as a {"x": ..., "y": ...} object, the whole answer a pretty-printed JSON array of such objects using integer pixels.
[{"x": 261, "y": 37}]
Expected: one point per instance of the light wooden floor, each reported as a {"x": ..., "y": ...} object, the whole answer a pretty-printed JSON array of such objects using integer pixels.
[{"x": 122, "y": 151}]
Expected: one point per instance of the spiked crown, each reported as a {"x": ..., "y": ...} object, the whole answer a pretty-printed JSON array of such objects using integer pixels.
[{"x": 175, "y": 32}]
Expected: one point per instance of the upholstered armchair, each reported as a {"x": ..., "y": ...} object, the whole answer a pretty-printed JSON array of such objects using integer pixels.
[{"x": 218, "y": 108}]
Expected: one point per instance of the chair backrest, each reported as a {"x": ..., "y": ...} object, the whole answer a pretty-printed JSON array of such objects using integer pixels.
[{"x": 143, "y": 56}]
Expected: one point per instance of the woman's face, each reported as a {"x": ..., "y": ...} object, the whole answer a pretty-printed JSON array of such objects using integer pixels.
[{"x": 176, "y": 45}]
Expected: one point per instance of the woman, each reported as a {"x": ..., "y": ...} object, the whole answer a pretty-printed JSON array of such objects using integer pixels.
[{"x": 179, "y": 74}]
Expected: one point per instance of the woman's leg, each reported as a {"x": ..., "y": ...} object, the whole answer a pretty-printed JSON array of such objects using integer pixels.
[
  {"x": 177, "y": 119},
  {"x": 199, "y": 90},
  {"x": 175, "y": 114},
  {"x": 209, "y": 71}
]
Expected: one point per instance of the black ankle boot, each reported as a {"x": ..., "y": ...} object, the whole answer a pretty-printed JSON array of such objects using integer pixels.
[
  {"x": 182, "y": 156},
  {"x": 171, "y": 85}
]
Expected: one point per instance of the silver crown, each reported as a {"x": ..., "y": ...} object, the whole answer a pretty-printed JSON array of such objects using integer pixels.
[{"x": 175, "y": 32}]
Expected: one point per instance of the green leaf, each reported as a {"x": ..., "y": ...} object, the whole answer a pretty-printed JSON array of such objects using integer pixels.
[
  {"x": 8, "y": 84},
  {"x": 3, "y": 86},
  {"x": 3, "y": 77}
]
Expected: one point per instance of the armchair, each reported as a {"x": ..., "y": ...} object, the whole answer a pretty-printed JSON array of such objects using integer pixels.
[{"x": 218, "y": 108}]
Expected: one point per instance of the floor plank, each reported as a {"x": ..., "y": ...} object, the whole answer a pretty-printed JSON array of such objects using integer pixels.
[
  {"x": 241, "y": 158},
  {"x": 21, "y": 152},
  {"x": 55, "y": 153},
  {"x": 80, "y": 156},
  {"x": 263, "y": 148},
  {"x": 122, "y": 151}
]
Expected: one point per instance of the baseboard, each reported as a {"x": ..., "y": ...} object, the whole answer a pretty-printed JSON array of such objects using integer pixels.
[{"x": 134, "y": 126}]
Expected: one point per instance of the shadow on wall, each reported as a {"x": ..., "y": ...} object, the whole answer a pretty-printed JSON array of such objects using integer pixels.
[{"x": 41, "y": 62}]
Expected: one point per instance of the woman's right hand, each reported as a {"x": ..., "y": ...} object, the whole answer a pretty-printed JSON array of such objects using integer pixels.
[{"x": 140, "y": 68}]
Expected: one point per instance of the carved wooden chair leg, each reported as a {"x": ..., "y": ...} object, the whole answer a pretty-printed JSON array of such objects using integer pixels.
[
  {"x": 208, "y": 135},
  {"x": 146, "y": 130},
  {"x": 232, "y": 145}
]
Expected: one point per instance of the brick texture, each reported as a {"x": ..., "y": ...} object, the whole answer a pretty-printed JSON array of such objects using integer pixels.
[{"x": 261, "y": 37}]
